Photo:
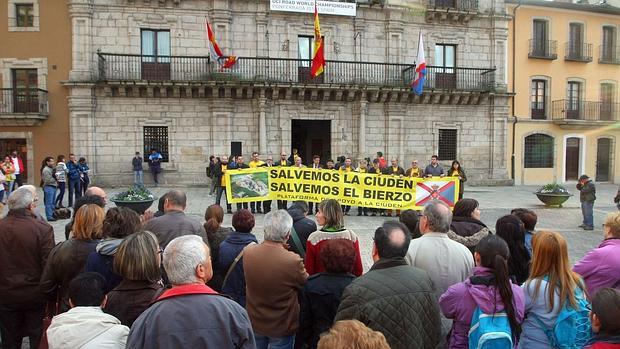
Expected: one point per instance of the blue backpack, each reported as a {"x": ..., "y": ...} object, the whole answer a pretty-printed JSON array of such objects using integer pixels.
[
  {"x": 572, "y": 329},
  {"x": 490, "y": 331}
]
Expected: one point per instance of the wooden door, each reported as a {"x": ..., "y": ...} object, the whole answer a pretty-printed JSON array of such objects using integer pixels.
[
  {"x": 573, "y": 102},
  {"x": 603, "y": 159},
  {"x": 539, "y": 48},
  {"x": 155, "y": 55},
  {"x": 571, "y": 163},
  {"x": 575, "y": 40},
  {"x": 607, "y": 101}
]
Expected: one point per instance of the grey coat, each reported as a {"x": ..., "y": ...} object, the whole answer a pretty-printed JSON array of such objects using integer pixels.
[
  {"x": 208, "y": 321},
  {"x": 174, "y": 224},
  {"x": 397, "y": 300}
]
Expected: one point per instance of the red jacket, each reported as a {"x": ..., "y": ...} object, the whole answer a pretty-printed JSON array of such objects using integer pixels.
[
  {"x": 20, "y": 163},
  {"x": 602, "y": 345},
  {"x": 316, "y": 241}
]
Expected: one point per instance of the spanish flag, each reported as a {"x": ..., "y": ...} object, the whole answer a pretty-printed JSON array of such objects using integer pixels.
[
  {"x": 225, "y": 62},
  {"x": 318, "y": 58}
]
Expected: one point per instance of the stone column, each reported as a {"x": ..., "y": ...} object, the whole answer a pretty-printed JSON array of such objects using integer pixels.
[
  {"x": 361, "y": 139},
  {"x": 82, "y": 120},
  {"x": 81, "y": 12},
  {"x": 262, "y": 125}
]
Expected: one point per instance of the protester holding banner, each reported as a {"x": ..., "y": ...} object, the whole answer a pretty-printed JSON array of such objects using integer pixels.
[
  {"x": 255, "y": 163},
  {"x": 414, "y": 171},
  {"x": 394, "y": 170},
  {"x": 345, "y": 166},
  {"x": 331, "y": 218},
  {"x": 375, "y": 169},
  {"x": 316, "y": 164},
  {"x": 219, "y": 177},
  {"x": 282, "y": 163},
  {"x": 434, "y": 169},
  {"x": 456, "y": 171},
  {"x": 267, "y": 203},
  {"x": 362, "y": 168},
  {"x": 330, "y": 165},
  {"x": 240, "y": 165}
]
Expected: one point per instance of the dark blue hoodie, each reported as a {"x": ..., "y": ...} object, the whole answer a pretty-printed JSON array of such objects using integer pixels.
[{"x": 229, "y": 250}]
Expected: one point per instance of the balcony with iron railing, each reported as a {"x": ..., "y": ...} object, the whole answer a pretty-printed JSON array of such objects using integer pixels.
[
  {"x": 577, "y": 52},
  {"x": 543, "y": 49},
  {"x": 609, "y": 54},
  {"x": 22, "y": 106},
  {"x": 457, "y": 5},
  {"x": 567, "y": 111},
  {"x": 132, "y": 68}
]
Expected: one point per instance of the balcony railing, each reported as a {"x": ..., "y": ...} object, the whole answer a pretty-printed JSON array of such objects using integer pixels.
[
  {"x": 609, "y": 54},
  {"x": 123, "y": 67},
  {"x": 577, "y": 52},
  {"x": 585, "y": 110},
  {"x": 543, "y": 49},
  {"x": 23, "y": 101},
  {"x": 459, "y": 5}
]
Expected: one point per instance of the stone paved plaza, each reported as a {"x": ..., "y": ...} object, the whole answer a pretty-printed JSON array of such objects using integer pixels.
[{"x": 494, "y": 203}]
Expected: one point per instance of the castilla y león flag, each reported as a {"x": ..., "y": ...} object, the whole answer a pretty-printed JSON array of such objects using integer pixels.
[
  {"x": 216, "y": 53},
  {"x": 318, "y": 58},
  {"x": 435, "y": 190}
]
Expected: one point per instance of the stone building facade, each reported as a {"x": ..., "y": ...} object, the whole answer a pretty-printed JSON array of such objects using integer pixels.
[{"x": 142, "y": 77}]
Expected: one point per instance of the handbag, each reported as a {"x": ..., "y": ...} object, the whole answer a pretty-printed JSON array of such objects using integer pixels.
[
  {"x": 234, "y": 263},
  {"x": 47, "y": 320}
]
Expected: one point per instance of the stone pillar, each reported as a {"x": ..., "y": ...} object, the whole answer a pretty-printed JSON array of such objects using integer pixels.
[
  {"x": 262, "y": 125},
  {"x": 83, "y": 124},
  {"x": 81, "y": 12},
  {"x": 361, "y": 139}
]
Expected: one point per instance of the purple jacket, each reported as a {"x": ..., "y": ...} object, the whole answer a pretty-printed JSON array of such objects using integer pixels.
[
  {"x": 599, "y": 267},
  {"x": 460, "y": 301}
]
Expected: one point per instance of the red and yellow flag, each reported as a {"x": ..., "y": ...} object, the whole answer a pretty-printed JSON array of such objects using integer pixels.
[
  {"x": 216, "y": 53},
  {"x": 318, "y": 58}
]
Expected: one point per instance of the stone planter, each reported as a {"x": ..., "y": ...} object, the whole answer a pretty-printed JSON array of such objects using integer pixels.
[
  {"x": 138, "y": 206},
  {"x": 550, "y": 199}
]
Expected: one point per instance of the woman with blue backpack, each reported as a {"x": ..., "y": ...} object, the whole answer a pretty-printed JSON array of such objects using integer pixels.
[
  {"x": 556, "y": 306},
  {"x": 487, "y": 308}
]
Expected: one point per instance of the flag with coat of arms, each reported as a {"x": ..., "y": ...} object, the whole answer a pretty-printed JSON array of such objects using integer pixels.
[
  {"x": 417, "y": 85},
  {"x": 225, "y": 62},
  {"x": 444, "y": 190}
]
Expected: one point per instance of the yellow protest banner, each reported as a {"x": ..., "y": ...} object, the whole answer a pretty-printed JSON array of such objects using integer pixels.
[{"x": 349, "y": 188}]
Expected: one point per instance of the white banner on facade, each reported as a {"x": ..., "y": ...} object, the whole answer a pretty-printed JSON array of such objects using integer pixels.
[{"x": 307, "y": 6}]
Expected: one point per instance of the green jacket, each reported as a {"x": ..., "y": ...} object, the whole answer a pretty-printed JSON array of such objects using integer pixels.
[{"x": 587, "y": 192}]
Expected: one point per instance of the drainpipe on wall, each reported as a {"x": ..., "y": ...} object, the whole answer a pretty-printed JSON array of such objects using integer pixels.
[{"x": 514, "y": 68}]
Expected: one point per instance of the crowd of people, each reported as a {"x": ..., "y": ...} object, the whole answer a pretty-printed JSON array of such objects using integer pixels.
[
  {"x": 437, "y": 280},
  {"x": 218, "y": 166},
  {"x": 58, "y": 175}
]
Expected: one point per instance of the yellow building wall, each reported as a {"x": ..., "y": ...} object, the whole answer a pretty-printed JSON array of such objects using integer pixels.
[
  {"x": 559, "y": 72},
  {"x": 52, "y": 41}
]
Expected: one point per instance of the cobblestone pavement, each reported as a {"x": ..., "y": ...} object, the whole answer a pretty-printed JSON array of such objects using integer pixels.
[{"x": 494, "y": 203}]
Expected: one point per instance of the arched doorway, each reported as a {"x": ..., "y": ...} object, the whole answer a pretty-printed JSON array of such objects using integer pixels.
[{"x": 573, "y": 158}]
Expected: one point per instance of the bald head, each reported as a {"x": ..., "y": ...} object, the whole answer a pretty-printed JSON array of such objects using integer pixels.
[
  {"x": 176, "y": 200},
  {"x": 392, "y": 240},
  {"x": 437, "y": 216},
  {"x": 96, "y": 191}
]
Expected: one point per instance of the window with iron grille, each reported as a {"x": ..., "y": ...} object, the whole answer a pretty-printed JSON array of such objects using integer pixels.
[
  {"x": 24, "y": 15},
  {"x": 447, "y": 144},
  {"x": 156, "y": 137},
  {"x": 538, "y": 151}
]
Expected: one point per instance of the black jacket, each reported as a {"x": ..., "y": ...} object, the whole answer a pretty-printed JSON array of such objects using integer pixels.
[
  {"x": 217, "y": 173},
  {"x": 468, "y": 231},
  {"x": 319, "y": 303},
  {"x": 303, "y": 227},
  {"x": 397, "y": 300}
]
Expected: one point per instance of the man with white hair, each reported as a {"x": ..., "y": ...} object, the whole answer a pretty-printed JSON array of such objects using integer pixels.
[
  {"x": 25, "y": 242},
  {"x": 191, "y": 314},
  {"x": 273, "y": 278},
  {"x": 446, "y": 261}
]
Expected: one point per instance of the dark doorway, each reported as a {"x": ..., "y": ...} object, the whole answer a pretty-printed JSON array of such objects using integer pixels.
[
  {"x": 235, "y": 149},
  {"x": 603, "y": 159},
  {"x": 573, "y": 149},
  {"x": 19, "y": 144},
  {"x": 311, "y": 137}
]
